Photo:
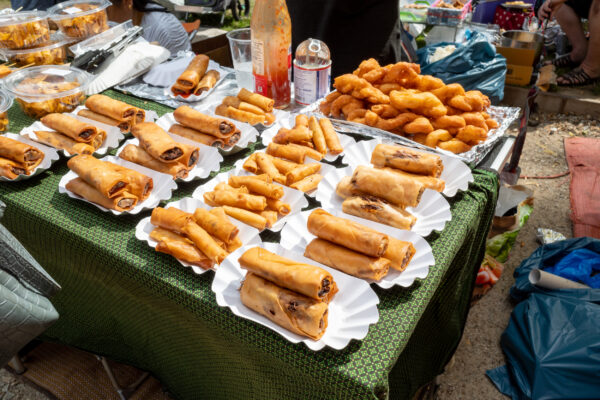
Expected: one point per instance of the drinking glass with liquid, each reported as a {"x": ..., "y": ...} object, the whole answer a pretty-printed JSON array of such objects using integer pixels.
[{"x": 241, "y": 53}]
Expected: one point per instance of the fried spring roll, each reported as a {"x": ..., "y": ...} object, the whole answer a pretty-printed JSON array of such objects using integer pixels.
[
  {"x": 309, "y": 280},
  {"x": 248, "y": 217},
  {"x": 378, "y": 210},
  {"x": 22, "y": 153},
  {"x": 235, "y": 102},
  {"x": 256, "y": 99},
  {"x": 257, "y": 186},
  {"x": 191, "y": 118},
  {"x": 60, "y": 141},
  {"x": 217, "y": 226},
  {"x": 297, "y": 313},
  {"x": 429, "y": 182},
  {"x": 250, "y": 164},
  {"x": 399, "y": 253},
  {"x": 279, "y": 206},
  {"x": 112, "y": 108},
  {"x": 171, "y": 218},
  {"x": 180, "y": 247},
  {"x": 99, "y": 174},
  {"x": 240, "y": 115},
  {"x": 10, "y": 169},
  {"x": 301, "y": 172},
  {"x": 318, "y": 137},
  {"x": 156, "y": 142},
  {"x": 124, "y": 126},
  {"x": 349, "y": 234},
  {"x": 331, "y": 136},
  {"x": 265, "y": 164},
  {"x": 235, "y": 199},
  {"x": 298, "y": 134},
  {"x": 234, "y": 245},
  {"x": 98, "y": 139},
  {"x": 301, "y": 120},
  {"x": 190, "y": 78},
  {"x": 310, "y": 152},
  {"x": 138, "y": 156},
  {"x": 284, "y": 166},
  {"x": 190, "y": 155},
  {"x": 225, "y": 186},
  {"x": 406, "y": 159},
  {"x": 204, "y": 242},
  {"x": 287, "y": 151},
  {"x": 348, "y": 261},
  {"x": 138, "y": 184},
  {"x": 270, "y": 215},
  {"x": 208, "y": 81},
  {"x": 70, "y": 126},
  {"x": 124, "y": 201},
  {"x": 196, "y": 136},
  {"x": 395, "y": 188},
  {"x": 140, "y": 115},
  {"x": 307, "y": 184}
]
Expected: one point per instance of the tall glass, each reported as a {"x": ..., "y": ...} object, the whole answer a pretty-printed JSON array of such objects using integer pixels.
[{"x": 241, "y": 53}]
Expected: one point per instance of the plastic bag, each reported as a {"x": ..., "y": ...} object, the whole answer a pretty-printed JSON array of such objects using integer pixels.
[
  {"x": 578, "y": 266},
  {"x": 500, "y": 245},
  {"x": 474, "y": 64}
]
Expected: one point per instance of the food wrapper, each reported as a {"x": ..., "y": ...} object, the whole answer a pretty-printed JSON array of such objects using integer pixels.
[
  {"x": 80, "y": 18},
  {"x": 546, "y": 236},
  {"x": 24, "y": 29}
]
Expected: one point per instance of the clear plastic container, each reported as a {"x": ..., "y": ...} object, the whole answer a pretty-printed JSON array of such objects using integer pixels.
[
  {"x": 98, "y": 41},
  {"x": 80, "y": 18},
  {"x": 48, "y": 89},
  {"x": 24, "y": 29},
  {"x": 53, "y": 52},
  {"x": 6, "y": 102}
]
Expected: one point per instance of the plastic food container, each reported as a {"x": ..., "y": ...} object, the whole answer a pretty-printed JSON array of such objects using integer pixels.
[
  {"x": 5, "y": 103},
  {"x": 415, "y": 11},
  {"x": 53, "y": 52},
  {"x": 24, "y": 29},
  {"x": 447, "y": 16},
  {"x": 80, "y": 18},
  {"x": 48, "y": 89}
]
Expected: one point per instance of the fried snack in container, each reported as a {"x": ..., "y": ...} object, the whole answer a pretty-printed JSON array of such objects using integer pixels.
[
  {"x": 124, "y": 126},
  {"x": 138, "y": 184},
  {"x": 124, "y": 201},
  {"x": 307, "y": 184},
  {"x": 257, "y": 186},
  {"x": 265, "y": 103},
  {"x": 301, "y": 172},
  {"x": 179, "y": 247},
  {"x": 471, "y": 134},
  {"x": 10, "y": 169},
  {"x": 248, "y": 217},
  {"x": 170, "y": 218},
  {"x": 71, "y": 127},
  {"x": 51, "y": 53},
  {"x": 208, "y": 81},
  {"x": 137, "y": 155},
  {"x": 235, "y": 102},
  {"x": 279, "y": 206},
  {"x": 220, "y": 227},
  {"x": 287, "y": 151},
  {"x": 111, "y": 108},
  {"x": 297, "y": 134},
  {"x": 434, "y": 138},
  {"x": 378, "y": 210},
  {"x": 189, "y": 79},
  {"x": 448, "y": 121},
  {"x": 406, "y": 159},
  {"x": 395, "y": 188},
  {"x": 24, "y": 29},
  {"x": 196, "y": 136},
  {"x": 204, "y": 242},
  {"x": 455, "y": 146},
  {"x": 243, "y": 116},
  {"x": 99, "y": 174},
  {"x": 80, "y": 18},
  {"x": 23, "y": 154},
  {"x": 309, "y": 280},
  {"x": 399, "y": 253},
  {"x": 191, "y": 118},
  {"x": 60, "y": 141},
  {"x": 235, "y": 199},
  {"x": 156, "y": 142},
  {"x": 418, "y": 125},
  {"x": 265, "y": 164},
  {"x": 428, "y": 181}
]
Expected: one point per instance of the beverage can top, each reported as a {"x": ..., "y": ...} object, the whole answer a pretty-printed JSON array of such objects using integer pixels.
[{"x": 312, "y": 53}]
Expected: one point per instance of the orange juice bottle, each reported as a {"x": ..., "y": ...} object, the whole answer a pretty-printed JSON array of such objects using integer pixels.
[{"x": 271, "y": 35}]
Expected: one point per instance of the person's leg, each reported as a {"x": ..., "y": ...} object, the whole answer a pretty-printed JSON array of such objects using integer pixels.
[
  {"x": 570, "y": 23},
  {"x": 591, "y": 62}
]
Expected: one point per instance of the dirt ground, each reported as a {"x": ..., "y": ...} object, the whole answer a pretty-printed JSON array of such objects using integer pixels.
[{"x": 479, "y": 349}]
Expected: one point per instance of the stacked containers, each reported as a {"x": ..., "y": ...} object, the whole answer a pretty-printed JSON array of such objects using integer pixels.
[{"x": 80, "y": 19}]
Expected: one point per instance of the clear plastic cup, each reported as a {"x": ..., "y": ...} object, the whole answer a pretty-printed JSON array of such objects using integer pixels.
[{"x": 241, "y": 53}]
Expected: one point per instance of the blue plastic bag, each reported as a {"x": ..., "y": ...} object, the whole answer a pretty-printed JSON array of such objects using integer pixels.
[
  {"x": 578, "y": 266},
  {"x": 474, "y": 64}
]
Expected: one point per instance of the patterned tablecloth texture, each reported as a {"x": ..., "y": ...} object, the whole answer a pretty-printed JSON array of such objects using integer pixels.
[{"x": 122, "y": 299}]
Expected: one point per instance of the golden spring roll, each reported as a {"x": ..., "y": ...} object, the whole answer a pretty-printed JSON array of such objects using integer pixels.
[
  {"x": 429, "y": 182},
  {"x": 195, "y": 70},
  {"x": 19, "y": 152},
  {"x": 139, "y": 156},
  {"x": 331, "y": 136},
  {"x": 10, "y": 169},
  {"x": 307, "y": 184},
  {"x": 248, "y": 217},
  {"x": 240, "y": 115},
  {"x": 140, "y": 115},
  {"x": 70, "y": 126},
  {"x": 257, "y": 186},
  {"x": 399, "y": 253},
  {"x": 250, "y": 164},
  {"x": 98, "y": 139},
  {"x": 297, "y": 313},
  {"x": 347, "y": 233},
  {"x": 309, "y": 280},
  {"x": 234, "y": 245},
  {"x": 287, "y": 151},
  {"x": 235, "y": 199},
  {"x": 284, "y": 166},
  {"x": 301, "y": 120},
  {"x": 395, "y": 188},
  {"x": 269, "y": 118},
  {"x": 171, "y": 218},
  {"x": 98, "y": 174},
  {"x": 378, "y": 210},
  {"x": 205, "y": 243},
  {"x": 208, "y": 81},
  {"x": 124, "y": 126},
  {"x": 138, "y": 184},
  {"x": 190, "y": 155},
  {"x": 271, "y": 217},
  {"x": 234, "y": 138},
  {"x": 265, "y": 164},
  {"x": 124, "y": 201},
  {"x": 225, "y": 186},
  {"x": 346, "y": 260},
  {"x": 301, "y": 172},
  {"x": 112, "y": 108},
  {"x": 406, "y": 159},
  {"x": 265, "y": 103},
  {"x": 318, "y": 137},
  {"x": 279, "y": 206},
  {"x": 217, "y": 226},
  {"x": 60, "y": 141},
  {"x": 242, "y": 105},
  {"x": 234, "y": 102},
  {"x": 196, "y": 136},
  {"x": 180, "y": 247},
  {"x": 156, "y": 142},
  {"x": 298, "y": 134},
  {"x": 310, "y": 152},
  {"x": 191, "y": 118},
  {"x": 345, "y": 188}
]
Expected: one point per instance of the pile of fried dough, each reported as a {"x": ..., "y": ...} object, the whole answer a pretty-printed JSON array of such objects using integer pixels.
[{"x": 396, "y": 98}]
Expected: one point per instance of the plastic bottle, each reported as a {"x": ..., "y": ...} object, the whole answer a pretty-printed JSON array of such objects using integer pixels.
[
  {"x": 271, "y": 34},
  {"x": 312, "y": 71}
]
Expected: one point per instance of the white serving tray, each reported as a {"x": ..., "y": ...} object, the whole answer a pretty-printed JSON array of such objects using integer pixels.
[{"x": 50, "y": 155}]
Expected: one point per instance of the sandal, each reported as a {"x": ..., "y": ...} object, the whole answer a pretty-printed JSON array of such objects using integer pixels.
[
  {"x": 563, "y": 62},
  {"x": 576, "y": 77}
]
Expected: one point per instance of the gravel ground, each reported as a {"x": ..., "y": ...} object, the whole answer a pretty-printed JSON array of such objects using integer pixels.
[{"x": 479, "y": 349}]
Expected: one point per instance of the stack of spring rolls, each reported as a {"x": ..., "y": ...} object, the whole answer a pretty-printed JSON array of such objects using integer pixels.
[
  {"x": 253, "y": 200},
  {"x": 203, "y": 238},
  {"x": 17, "y": 158},
  {"x": 202, "y": 128},
  {"x": 70, "y": 134},
  {"x": 107, "y": 184},
  {"x": 196, "y": 79},
  {"x": 398, "y": 180},
  {"x": 112, "y": 112},
  {"x": 311, "y": 134},
  {"x": 249, "y": 107},
  {"x": 354, "y": 248},
  {"x": 158, "y": 151},
  {"x": 293, "y": 295}
]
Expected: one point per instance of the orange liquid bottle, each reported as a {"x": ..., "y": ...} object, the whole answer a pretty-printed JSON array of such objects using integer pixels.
[{"x": 271, "y": 34}]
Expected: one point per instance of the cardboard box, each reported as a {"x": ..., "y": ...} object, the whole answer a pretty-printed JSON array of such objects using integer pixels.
[
  {"x": 514, "y": 56},
  {"x": 518, "y": 74}
]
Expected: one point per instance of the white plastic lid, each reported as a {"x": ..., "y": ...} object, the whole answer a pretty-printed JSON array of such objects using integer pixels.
[
  {"x": 22, "y": 17},
  {"x": 76, "y": 8},
  {"x": 27, "y": 83}
]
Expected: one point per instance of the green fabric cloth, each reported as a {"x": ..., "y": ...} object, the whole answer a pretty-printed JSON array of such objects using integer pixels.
[{"x": 122, "y": 299}]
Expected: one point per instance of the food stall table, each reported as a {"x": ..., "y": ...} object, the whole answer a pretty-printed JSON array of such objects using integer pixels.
[{"x": 123, "y": 300}]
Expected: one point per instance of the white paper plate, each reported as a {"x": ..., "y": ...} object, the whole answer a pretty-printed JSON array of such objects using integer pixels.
[
  {"x": 432, "y": 212},
  {"x": 289, "y": 122},
  {"x": 456, "y": 173},
  {"x": 351, "y": 311},
  {"x": 113, "y": 134},
  {"x": 151, "y": 116},
  {"x": 294, "y": 198},
  {"x": 248, "y": 235},
  {"x": 163, "y": 186},
  {"x": 193, "y": 98},
  {"x": 295, "y": 236},
  {"x": 50, "y": 155},
  {"x": 209, "y": 158},
  {"x": 248, "y": 133},
  {"x": 210, "y": 109}
]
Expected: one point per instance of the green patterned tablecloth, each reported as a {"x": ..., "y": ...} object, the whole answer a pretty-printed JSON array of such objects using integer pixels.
[{"x": 122, "y": 299}]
